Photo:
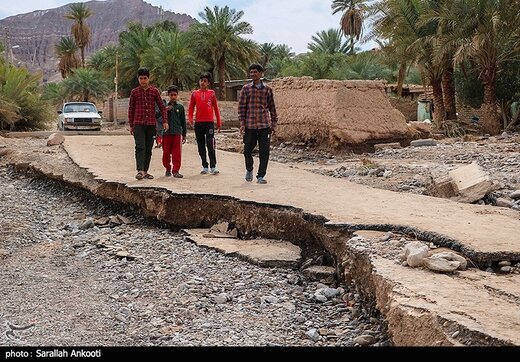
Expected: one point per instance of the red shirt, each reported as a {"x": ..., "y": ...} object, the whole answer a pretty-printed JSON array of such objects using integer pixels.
[
  {"x": 141, "y": 109},
  {"x": 206, "y": 103}
]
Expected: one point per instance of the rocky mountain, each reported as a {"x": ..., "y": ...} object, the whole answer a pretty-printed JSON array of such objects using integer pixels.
[{"x": 31, "y": 37}]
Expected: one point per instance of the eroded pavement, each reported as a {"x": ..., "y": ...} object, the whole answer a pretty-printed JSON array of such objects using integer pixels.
[{"x": 422, "y": 308}]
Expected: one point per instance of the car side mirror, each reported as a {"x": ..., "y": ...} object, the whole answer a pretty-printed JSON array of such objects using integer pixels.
[
  {"x": 60, "y": 112},
  {"x": 100, "y": 112}
]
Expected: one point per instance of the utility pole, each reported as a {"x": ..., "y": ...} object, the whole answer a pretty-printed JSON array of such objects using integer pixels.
[
  {"x": 116, "y": 81},
  {"x": 7, "y": 46}
]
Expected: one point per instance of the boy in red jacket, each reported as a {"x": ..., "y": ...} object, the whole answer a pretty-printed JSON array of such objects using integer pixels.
[{"x": 205, "y": 101}]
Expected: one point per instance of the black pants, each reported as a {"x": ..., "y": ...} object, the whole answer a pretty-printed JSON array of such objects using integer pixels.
[
  {"x": 263, "y": 138},
  {"x": 205, "y": 134},
  {"x": 143, "y": 137}
]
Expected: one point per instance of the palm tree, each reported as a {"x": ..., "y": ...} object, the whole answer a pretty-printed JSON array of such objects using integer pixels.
[
  {"x": 329, "y": 42},
  {"x": 486, "y": 33},
  {"x": 66, "y": 51},
  {"x": 86, "y": 85},
  {"x": 20, "y": 104},
  {"x": 267, "y": 52},
  {"x": 133, "y": 44},
  {"x": 79, "y": 12},
  {"x": 220, "y": 36},
  {"x": 283, "y": 51},
  {"x": 171, "y": 60},
  {"x": 352, "y": 20},
  {"x": 387, "y": 26}
]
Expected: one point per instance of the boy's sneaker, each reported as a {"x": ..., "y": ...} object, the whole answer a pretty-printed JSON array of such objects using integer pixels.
[
  {"x": 249, "y": 176},
  {"x": 214, "y": 171},
  {"x": 177, "y": 175},
  {"x": 261, "y": 180},
  {"x": 204, "y": 171},
  {"x": 167, "y": 173}
]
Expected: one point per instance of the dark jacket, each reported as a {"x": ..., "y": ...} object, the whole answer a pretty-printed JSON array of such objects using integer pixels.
[{"x": 176, "y": 119}]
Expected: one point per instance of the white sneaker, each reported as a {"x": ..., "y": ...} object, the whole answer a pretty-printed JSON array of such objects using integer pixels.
[
  {"x": 204, "y": 171},
  {"x": 214, "y": 171}
]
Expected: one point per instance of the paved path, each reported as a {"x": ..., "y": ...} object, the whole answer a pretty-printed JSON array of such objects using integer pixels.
[{"x": 484, "y": 229}]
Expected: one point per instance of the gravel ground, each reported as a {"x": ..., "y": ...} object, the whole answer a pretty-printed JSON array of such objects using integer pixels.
[
  {"x": 67, "y": 281},
  {"x": 412, "y": 169}
]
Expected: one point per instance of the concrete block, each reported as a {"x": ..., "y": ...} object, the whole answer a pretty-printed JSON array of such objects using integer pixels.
[{"x": 471, "y": 182}]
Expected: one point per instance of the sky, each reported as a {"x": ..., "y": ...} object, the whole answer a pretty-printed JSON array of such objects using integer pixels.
[{"x": 291, "y": 22}]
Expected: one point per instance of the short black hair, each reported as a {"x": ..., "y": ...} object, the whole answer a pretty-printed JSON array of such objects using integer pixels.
[
  {"x": 205, "y": 75},
  {"x": 143, "y": 71},
  {"x": 257, "y": 67},
  {"x": 173, "y": 88}
]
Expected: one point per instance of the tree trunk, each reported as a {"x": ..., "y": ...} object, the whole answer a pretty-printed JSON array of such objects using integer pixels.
[
  {"x": 490, "y": 117},
  {"x": 439, "y": 113},
  {"x": 448, "y": 90},
  {"x": 82, "y": 57},
  {"x": 400, "y": 78},
  {"x": 221, "y": 78}
]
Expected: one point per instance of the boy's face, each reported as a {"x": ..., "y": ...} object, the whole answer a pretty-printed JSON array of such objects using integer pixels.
[
  {"x": 204, "y": 83},
  {"x": 143, "y": 80},
  {"x": 173, "y": 96},
  {"x": 255, "y": 75}
]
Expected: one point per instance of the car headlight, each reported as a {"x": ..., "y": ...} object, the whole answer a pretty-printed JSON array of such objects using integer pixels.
[{"x": 69, "y": 120}]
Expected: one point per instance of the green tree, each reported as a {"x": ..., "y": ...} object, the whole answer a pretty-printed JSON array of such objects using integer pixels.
[
  {"x": 87, "y": 85},
  {"x": 267, "y": 53},
  {"x": 329, "y": 42},
  {"x": 219, "y": 36},
  {"x": 485, "y": 32},
  {"x": 21, "y": 107},
  {"x": 133, "y": 44},
  {"x": 171, "y": 60},
  {"x": 66, "y": 51},
  {"x": 79, "y": 12},
  {"x": 352, "y": 19}
]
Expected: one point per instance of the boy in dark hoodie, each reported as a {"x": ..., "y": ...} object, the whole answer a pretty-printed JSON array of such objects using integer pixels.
[{"x": 174, "y": 134}]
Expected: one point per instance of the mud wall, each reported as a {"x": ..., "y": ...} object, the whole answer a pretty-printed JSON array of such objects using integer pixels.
[{"x": 336, "y": 114}]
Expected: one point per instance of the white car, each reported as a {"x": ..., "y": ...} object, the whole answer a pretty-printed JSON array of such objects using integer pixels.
[{"x": 79, "y": 116}]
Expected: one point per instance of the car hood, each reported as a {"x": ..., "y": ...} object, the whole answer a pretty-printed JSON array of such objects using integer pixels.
[{"x": 81, "y": 115}]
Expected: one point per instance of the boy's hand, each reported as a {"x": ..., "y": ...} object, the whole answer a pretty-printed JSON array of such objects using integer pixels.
[
  {"x": 242, "y": 129},
  {"x": 190, "y": 123},
  {"x": 169, "y": 107},
  {"x": 218, "y": 129},
  {"x": 166, "y": 126},
  {"x": 183, "y": 139},
  {"x": 131, "y": 129}
]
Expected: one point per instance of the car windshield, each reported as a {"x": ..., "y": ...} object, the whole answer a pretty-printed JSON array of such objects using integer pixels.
[{"x": 79, "y": 107}]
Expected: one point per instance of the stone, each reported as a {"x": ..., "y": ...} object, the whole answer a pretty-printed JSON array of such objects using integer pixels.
[
  {"x": 423, "y": 143},
  {"x": 330, "y": 292},
  {"x": 451, "y": 256},
  {"x": 414, "y": 253},
  {"x": 365, "y": 340},
  {"x": 504, "y": 263},
  {"x": 87, "y": 224},
  {"x": 444, "y": 187},
  {"x": 501, "y": 202},
  {"x": 506, "y": 269},
  {"x": 319, "y": 272},
  {"x": 441, "y": 265},
  {"x": 220, "y": 228},
  {"x": 515, "y": 195},
  {"x": 313, "y": 334},
  {"x": 471, "y": 182},
  {"x": 55, "y": 139}
]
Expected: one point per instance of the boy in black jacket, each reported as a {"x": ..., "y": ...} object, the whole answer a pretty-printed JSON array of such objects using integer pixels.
[{"x": 174, "y": 134}]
